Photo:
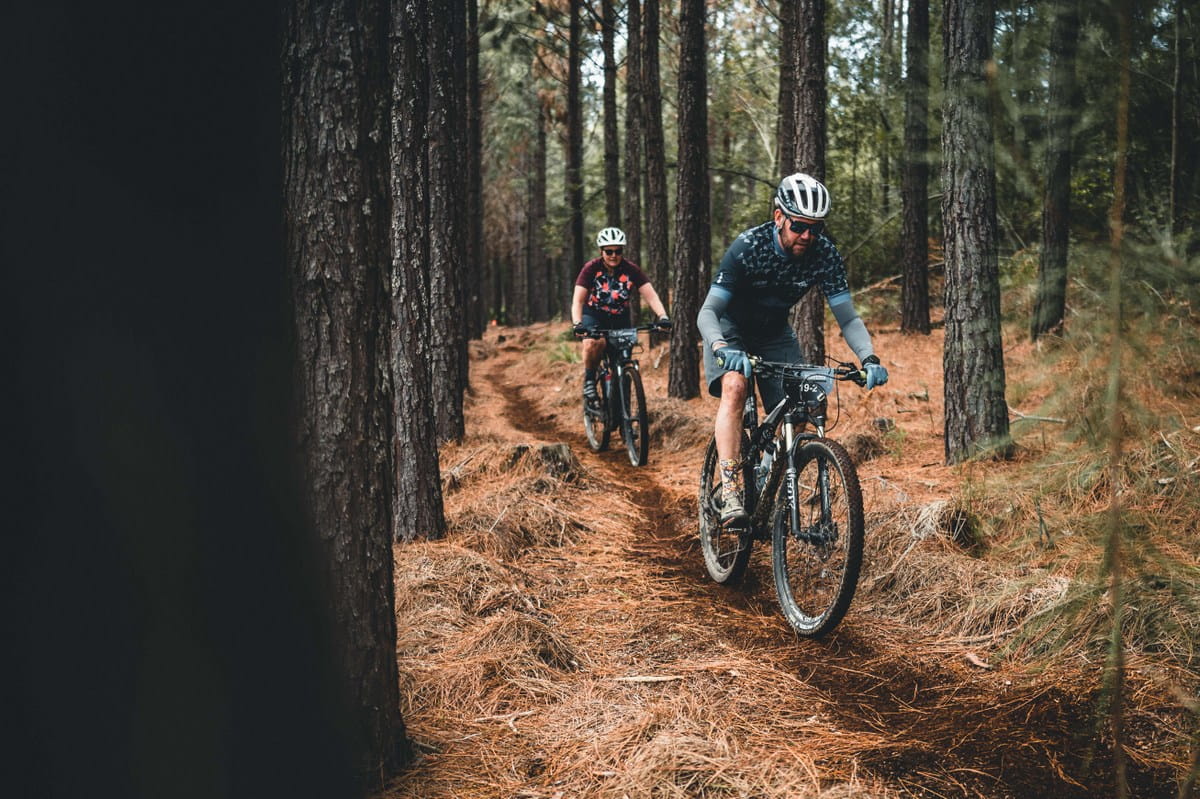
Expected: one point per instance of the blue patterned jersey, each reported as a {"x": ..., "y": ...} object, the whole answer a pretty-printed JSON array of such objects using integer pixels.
[{"x": 765, "y": 282}]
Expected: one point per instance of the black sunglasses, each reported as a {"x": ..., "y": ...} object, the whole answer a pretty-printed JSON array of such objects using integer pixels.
[
  {"x": 614, "y": 251},
  {"x": 798, "y": 227}
]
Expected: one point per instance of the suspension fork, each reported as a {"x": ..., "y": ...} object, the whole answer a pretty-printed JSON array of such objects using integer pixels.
[
  {"x": 620, "y": 403},
  {"x": 789, "y": 439}
]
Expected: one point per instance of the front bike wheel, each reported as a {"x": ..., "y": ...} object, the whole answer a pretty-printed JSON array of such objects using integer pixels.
[
  {"x": 726, "y": 551},
  {"x": 816, "y": 560},
  {"x": 595, "y": 417},
  {"x": 634, "y": 426}
]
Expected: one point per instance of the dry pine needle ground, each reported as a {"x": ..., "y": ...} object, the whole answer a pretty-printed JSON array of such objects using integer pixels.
[{"x": 564, "y": 641}]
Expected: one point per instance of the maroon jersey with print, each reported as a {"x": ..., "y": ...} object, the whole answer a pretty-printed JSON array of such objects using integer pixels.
[{"x": 608, "y": 292}]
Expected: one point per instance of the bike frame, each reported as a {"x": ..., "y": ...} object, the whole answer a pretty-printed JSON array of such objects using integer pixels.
[
  {"x": 792, "y": 415},
  {"x": 618, "y": 356}
]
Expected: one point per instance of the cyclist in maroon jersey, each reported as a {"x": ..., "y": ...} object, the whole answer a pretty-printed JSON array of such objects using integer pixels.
[{"x": 601, "y": 300}]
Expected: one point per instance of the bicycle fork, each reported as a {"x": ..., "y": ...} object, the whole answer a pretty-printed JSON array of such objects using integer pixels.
[{"x": 789, "y": 438}]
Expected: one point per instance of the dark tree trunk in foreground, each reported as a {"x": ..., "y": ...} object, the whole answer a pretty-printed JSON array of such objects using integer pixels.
[
  {"x": 806, "y": 42},
  {"x": 418, "y": 501},
  {"x": 973, "y": 358},
  {"x": 446, "y": 356},
  {"x": 612, "y": 155},
  {"x": 658, "y": 254},
  {"x": 336, "y": 167},
  {"x": 914, "y": 292},
  {"x": 692, "y": 246},
  {"x": 1049, "y": 310}
]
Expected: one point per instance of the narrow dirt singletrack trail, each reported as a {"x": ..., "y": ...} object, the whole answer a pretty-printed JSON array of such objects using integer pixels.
[
  {"x": 938, "y": 726},
  {"x": 589, "y": 654}
]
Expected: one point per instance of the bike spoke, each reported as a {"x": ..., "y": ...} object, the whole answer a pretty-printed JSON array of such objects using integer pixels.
[{"x": 816, "y": 564}]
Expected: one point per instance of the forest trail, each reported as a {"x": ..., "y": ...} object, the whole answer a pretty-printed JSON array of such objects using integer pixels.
[{"x": 682, "y": 687}]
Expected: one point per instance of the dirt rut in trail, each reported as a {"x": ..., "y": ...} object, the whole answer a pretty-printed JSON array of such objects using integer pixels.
[{"x": 939, "y": 726}]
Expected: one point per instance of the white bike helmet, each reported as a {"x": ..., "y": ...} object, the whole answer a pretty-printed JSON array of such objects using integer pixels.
[
  {"x": 610, "y": 237},
  {"x": 802, "y": 195}
]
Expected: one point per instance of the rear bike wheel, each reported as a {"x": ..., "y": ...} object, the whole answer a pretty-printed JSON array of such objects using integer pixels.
[
  {"x": 635, "y": 428},
  {"x": 817, "y": 561},
  {"x": 726, "y": 551},
  {"x": 595, "y": 417}
]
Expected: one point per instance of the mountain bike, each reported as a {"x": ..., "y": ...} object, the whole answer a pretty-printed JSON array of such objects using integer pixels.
[
  {"x": 801, "y": 493},
  {"x": 621, "y": 400}
]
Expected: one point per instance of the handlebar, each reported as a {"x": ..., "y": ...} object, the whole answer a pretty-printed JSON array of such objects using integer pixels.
[
  {"x": 842, "y": 371},
  {"x": 595, "y": 332}
]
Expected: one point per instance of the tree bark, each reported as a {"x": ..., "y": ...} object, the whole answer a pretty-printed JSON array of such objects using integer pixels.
[
  {"x": 477, "y": 273},
  {"x": 658, "y": 257},
  {"x": 973, "y": 359},
  {"x": 888, "y": 80},
  {"x": 789, "y": 72},
  {"x": 336, "y": 237},
  {"x": 574, "y": 176},
  {"x": 446, "y": 334},
  {"x": 914, "y": 294},
  {"x": 612, "y": 155},
  {"x": 541, "y": 298},
  {"x": 1049, "y": 310},
  {"x": 634, "y": 132},
  {"x": 417, "y": 510},
  {"x": 807, "y": 76},
  {"x": 692, "y": 247}
]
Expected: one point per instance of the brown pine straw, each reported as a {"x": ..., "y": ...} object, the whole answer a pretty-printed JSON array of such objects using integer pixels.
[{"x": 564, "y": 641}]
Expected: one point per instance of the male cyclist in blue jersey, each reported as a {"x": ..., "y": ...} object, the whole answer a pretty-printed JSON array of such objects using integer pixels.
[{"x": 766, "y": 271}]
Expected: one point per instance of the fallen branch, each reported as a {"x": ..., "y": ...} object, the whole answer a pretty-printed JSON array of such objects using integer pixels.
[
  {"x": 507, "y": 718},
  {"x": 1020, "y": 415}
]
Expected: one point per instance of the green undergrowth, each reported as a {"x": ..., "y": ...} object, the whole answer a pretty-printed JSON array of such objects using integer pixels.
[{"x": 1050, "y": 511}]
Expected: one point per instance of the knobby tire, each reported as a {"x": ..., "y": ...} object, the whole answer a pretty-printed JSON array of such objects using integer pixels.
[
  {"x": 595, "y": 419},
  {"x": 816, "y": 566},
  {"x": 726, "y": 552},
  {"x": 635, "y": 427}
]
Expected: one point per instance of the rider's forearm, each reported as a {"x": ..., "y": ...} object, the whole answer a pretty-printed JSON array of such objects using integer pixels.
[
  {"x": 853, "y": 329},
  {"x": 577, "y": 304},
  {"x": 651, "y": 297},
  {"x": 708, "y": 320}
]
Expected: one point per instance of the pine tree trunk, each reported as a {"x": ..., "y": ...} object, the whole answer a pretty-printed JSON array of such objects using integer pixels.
[
  {"x": 574, "y": 177},
  {"x": 658, "y": 258},
  {"x": 476, "y": 295},
  {"x": 417, "y": 510},
  {"x": 541, "y": 297},
  {"x": 612, "y": 155},
  {"x": 522, "y": 281},
  {"x": 789, "y": 74},
  {"x": 336, "y": 238},
  {"x": 446, "y": 356},
  {"x": 888, "y": 81},
  {"x": 973, "y": 358},
  {"x": 914, "y": 294},
  {"x": 634, "y": 132},
  {"x": 808, "y": 42},
  {"x": 692, "y": 245},
  {"x": 1049, "y": 310}
]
